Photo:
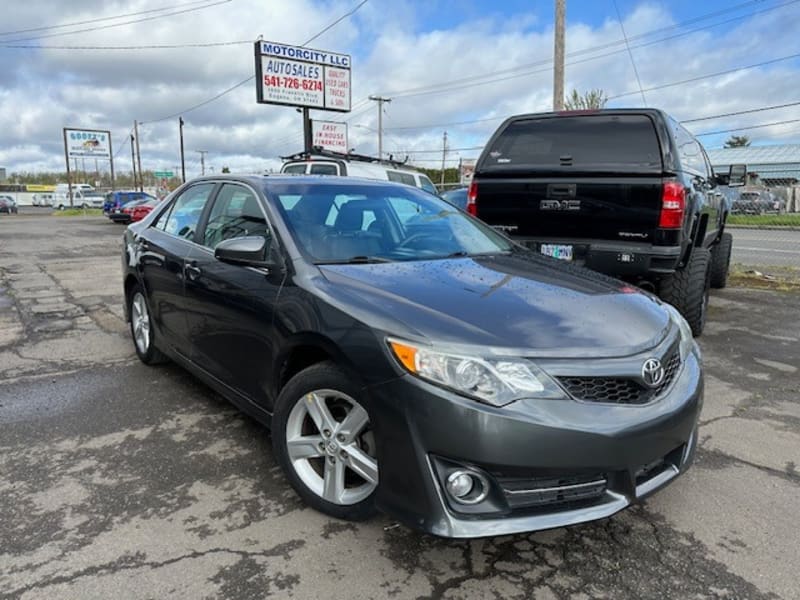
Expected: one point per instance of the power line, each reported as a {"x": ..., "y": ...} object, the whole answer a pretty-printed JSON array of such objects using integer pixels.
[
  {"x": 628, "y": 47},
  {"x": 142, "y": 20},
  {"x": 150, "y": 47},
  {"x": 252, "y": 77},
  {"x": 748, "y": 127},
  {"x": 742, "y": 112},
  {"x": 481, "y": 79},
  {"x": 709, "y": 76},
  {"x": 100, "y": 19}
]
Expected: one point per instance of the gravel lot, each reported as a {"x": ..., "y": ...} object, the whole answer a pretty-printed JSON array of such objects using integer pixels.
[{"x": 118, "y": 480}]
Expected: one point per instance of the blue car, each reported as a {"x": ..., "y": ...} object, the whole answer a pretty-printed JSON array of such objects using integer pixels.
[
  {"x": 116, "y": 200},
  {"x": 457, "y": 197}
]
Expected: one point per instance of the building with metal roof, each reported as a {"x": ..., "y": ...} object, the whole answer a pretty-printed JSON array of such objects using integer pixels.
[{"x": 775, "y": 165}]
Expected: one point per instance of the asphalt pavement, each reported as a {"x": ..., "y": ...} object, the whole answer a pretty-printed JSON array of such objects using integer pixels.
[
  {"x": 766, "y": 247},
  {"x": 123, "y": 481}
]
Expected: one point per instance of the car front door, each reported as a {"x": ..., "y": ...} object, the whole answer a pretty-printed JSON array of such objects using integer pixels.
[
  {"x": 230, "y": 307},
  {"x": 162, "y": 250}
]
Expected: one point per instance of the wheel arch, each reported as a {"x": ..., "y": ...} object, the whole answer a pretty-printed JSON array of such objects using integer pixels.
[{"x": 304, "y": 350}]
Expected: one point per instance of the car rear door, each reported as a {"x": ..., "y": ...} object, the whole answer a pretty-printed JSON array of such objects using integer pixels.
[
  {"x": 230, "y": 308},
  {"x": 163, "y": 249}
]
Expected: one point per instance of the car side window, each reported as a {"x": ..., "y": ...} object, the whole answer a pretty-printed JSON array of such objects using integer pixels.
[
  {"x": 236, "y": 213},
  {"x": 400, "y": 177},
  {"x": 689, "y": 151},
  {"x": 427, "y": 185},
  {"x": 182, "y": 216},
  {"x": 323, "y": 169},
  {"x": 295, "y": 169}
]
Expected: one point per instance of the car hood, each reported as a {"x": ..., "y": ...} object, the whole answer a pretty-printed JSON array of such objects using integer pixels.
[{"x": 527, "y": 304}]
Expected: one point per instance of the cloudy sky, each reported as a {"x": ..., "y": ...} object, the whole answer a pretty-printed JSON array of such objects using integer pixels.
[{"x": 455, "y": 66}]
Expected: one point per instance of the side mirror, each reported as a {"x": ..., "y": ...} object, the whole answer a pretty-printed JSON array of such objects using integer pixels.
[
  {"x": 737, "y": 175},
  {"x": 248, "y": 251}
]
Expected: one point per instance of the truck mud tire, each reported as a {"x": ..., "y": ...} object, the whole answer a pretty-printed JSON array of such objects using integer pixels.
[
  {"x": 687, "y": 289},
  {"x": 721, "y": 261}
]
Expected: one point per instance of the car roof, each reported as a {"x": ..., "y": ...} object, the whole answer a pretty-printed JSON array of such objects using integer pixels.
[{"x": 267, "y": 180}]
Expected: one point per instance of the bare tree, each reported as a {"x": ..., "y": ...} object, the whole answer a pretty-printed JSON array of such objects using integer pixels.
[{"x": 593, "y": 99}]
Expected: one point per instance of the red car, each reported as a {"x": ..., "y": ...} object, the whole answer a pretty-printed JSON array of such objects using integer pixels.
[{"x": 140, "y": 210}]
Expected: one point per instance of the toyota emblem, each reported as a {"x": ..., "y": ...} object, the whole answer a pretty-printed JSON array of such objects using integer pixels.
[{"x": 652, "y": 372}]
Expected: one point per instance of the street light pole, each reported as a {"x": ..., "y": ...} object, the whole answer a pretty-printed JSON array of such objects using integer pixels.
[{"x": 183, "y": 161}]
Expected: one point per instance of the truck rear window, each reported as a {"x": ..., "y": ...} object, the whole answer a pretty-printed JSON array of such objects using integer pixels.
[{"x": 594, "y": 142}]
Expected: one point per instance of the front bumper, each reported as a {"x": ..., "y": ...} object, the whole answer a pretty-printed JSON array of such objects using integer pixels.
[{"x": 540, "y": 457}]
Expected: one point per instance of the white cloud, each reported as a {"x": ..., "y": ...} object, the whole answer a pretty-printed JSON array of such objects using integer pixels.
[{"x": 43, "y": 91}]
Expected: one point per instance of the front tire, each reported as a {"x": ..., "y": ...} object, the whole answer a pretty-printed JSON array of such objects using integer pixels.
[
  {"x": 687, "y": 289},
  {"x": 141, "y": 326},
  {"x": 324, "y": 441},
  {"x": 721, "y": 261}
]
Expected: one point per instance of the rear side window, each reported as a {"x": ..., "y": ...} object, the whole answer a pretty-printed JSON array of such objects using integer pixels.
[
  {"x": 427, "y": 185},
  {"x": 182, "y": 217},
  {"x": 323, "y": 169},
  {"x": 595, "y": 142},
  {"x": 400, "y": 177},
  {"x": 295, "y": 169}
]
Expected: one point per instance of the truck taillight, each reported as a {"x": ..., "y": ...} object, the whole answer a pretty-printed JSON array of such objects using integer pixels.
[
  {"x": 673, "y": 204},
  {"x": 472, "y": 198}
]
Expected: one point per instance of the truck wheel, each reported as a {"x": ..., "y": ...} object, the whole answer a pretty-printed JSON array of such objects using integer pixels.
[
  {"x": 721, "y": 261},
  {"x": 687, "y": 289}
]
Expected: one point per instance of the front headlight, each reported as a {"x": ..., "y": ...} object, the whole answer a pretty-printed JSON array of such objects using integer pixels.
[
  {"x": 494, "y": 381},
  {"x": 687, "y": 339}
]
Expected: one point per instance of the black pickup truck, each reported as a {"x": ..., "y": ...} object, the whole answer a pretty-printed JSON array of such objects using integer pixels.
[{"x": 627, "y": 192}]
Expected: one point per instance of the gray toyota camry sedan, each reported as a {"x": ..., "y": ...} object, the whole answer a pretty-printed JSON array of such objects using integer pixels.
[{"x": 410, "y": 359}]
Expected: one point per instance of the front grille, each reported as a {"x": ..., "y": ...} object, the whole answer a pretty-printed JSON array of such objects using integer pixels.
[
  {"x": 615, "y": 390},
  {"x": 553, "y": 492}
]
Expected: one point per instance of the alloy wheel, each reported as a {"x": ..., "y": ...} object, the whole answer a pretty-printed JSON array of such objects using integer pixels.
[
  {"x": 140, "y": 322},
  {"x": 331, "y": 446}
]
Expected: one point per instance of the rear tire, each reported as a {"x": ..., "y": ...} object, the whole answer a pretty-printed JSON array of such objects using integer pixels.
[
  {"x": 687, "y": 289},
  {"x": 721, "y": 261},
  {"x": 141, "y": 326}
]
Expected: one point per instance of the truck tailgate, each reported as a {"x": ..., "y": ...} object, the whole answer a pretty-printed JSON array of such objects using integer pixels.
[{"x": 622, "y": 208}]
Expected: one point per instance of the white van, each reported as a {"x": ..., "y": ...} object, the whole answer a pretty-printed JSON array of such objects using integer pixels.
[
  {"x": 83, "y": 196},
  {"x": 356, "y": 165}
]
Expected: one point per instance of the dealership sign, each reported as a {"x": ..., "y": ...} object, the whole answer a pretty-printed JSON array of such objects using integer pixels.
[
  {"x": 330, "y": 135},
  {"x": 296, "y": 76},
  {"x": 87, "y": 143}
]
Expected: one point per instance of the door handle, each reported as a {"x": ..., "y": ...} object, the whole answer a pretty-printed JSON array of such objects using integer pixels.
[{"x": 193, "y": 271}]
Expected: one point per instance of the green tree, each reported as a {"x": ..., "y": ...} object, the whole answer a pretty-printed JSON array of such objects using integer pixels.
[
  {"x": 593, "y": 99},
  {"x": 737, "y": 141},
  {"x": 226, "y": 170}
]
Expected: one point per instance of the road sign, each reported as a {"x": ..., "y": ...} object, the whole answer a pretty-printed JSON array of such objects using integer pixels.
[
  {"x": 164, "y": 174},
  {"x": 297, "y": 76},
  {"x": 87, "y": 143}
]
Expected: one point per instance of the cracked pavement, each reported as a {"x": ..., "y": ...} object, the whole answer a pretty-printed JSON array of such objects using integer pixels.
[{"x": 119, "y": 480}]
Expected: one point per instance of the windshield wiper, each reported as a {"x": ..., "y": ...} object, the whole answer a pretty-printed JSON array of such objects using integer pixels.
[
  {"x": 355, "y": 260},
  {"x": 459, "y": 254}
]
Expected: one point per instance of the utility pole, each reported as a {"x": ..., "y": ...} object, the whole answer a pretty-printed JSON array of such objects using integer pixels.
[
  {"x": 138, "y": 156},
  {"x": 380, "y": 100},
  {"x": 183, "y": 160},
  {"x": 558, "y": 56},
  {"x": 308, "y": 136},
  {"x": 202, "y": 161},
  {"x": 444, "y": 154},
  {"x": 133, "y": 162}
]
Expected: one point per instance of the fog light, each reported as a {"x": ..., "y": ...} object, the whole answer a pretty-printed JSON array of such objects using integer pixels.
[{"x": 467, "y": 487}]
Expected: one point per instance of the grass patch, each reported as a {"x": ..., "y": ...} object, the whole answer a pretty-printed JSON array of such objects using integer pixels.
[
  {"x": 79, "y": 212},
  {"x": 786, "y": 220},
  {"x": 782, "y": 279}
]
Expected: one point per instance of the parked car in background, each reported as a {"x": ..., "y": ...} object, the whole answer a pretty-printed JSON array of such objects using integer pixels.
[
  {"x": 758, "y": 201},
  {"x": 457, "y": 197},
  {"x": 356, "y": 165},
  {"x": 122, "y": 214},
  {"x": 627, "y": 192},
  {"x": 463, "y": 384},
  {"x": 8, "y": 205},
  {"x": 118, "y": 199},
  {"x": 140, "y": 209}
]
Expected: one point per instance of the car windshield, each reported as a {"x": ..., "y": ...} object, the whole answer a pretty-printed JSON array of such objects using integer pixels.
[{"x": 342, "y": 222}]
